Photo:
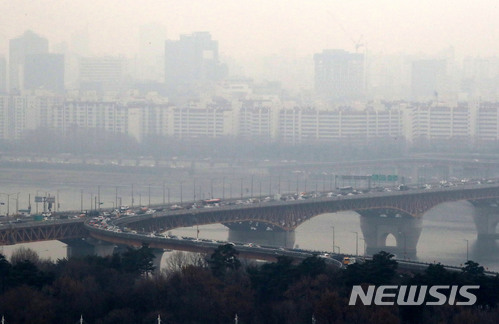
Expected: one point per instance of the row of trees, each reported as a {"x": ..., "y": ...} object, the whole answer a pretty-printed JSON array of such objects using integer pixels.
[
  {"x": 100, "y": 142},
  {"x": 126, "y": 289}
]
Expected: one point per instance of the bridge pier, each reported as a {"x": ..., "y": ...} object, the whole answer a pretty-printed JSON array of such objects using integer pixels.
[
  {"x": 158, "y": 257},
  {"x": 406, "y": 231},
  {"x": 88, "y": 246},
  {"x": 486, "y": 217}
]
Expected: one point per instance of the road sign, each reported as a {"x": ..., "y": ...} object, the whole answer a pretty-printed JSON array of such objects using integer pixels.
[
  {"x": 39, "y": 199},
  {"x": 384, "y": 177}
]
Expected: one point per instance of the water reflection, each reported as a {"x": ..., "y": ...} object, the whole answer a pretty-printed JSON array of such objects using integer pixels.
[{"x": 271, "y": 238}]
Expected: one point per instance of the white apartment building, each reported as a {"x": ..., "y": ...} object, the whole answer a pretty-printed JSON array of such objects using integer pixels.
[
  {"x": 299, "y": 125},
  {"x": 257, "y": 119},
  {"x": 487, "y": 121},
  {"x": 192, "y": 122},
  {"x": 440, "y": 122}
]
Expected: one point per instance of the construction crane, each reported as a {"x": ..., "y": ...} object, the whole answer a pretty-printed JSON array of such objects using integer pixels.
[{"x": 357, "y": 44}]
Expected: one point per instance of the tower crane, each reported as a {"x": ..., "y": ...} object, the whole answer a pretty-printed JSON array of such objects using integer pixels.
[{"x": 357, "y": 44}]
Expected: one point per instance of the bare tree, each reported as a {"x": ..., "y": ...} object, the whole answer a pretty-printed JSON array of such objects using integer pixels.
[
  {"x": 178, "y": 260},
  {"x": 24, "y": 254}
]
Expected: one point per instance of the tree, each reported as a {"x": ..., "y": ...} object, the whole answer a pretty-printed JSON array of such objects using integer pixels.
[
  {"x": 5, "y": 270},
  {"x": 24, "y": 254},
  {"x": 312, "y": 266},
  {"x": 473, "y": 269},
  {"x": 380, "y": 270},
  {"x": 138, "y": 261},
  {"x": 224, "y": 257},
  {"x": 179, "y": 260}
]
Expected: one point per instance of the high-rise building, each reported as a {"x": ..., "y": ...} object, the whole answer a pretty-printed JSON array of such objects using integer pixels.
[
  {"x": 101, "y": 73},
  {"x": 44, "y": 71},
  {"x": 151, "y": 52},
  {"x": 339, "y": 75},
  {"x": 3, "y": 74},
  {"x": 428, "y": 79},
  {"x": 306, "y": 124},
  {"x": 440, "y": 122},
  {"x": 27, "y": 44},
  {"x": 191, "y": 62}
]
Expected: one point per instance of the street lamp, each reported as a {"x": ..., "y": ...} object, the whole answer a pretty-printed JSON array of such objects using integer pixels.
[
  {"x": 181, "y": 201},
  {"x": 241, "y": 188},
  {"x": 405, "y": 244},
  {"x": 194, "y": 189},
  {"x": 333, "y": 238},
  {"x": 356, "y": 243},
  {"x": 223, "y": 188},
  {"x": 364, "y": 245},
  {"x": 211, "y": 188},
  {"x": 149, "y": 195},
  {"x": 8, "y": 200},
  {"x": 467, "y": 246}
]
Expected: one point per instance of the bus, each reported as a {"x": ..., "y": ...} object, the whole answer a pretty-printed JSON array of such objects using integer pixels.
[
  {"x": 345, "y": 190},
  {"x": 212, "y": 202}
]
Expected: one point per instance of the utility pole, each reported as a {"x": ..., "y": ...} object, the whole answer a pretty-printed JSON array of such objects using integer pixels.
[
  {"x": 163, "y": 192},
  {"x": 149, "y": 193},
  {"x": 98, "y": 196},
  {"x": 132, "y": 195},
  {"x": 356, "y": 243},
  {"x": 223, "y": 188}
]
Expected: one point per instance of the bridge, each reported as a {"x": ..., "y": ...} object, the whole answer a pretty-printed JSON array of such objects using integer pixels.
[{"x": 381, "y": 213}]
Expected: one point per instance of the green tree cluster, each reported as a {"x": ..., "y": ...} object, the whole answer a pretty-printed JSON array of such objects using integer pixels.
[{"x": 124, "y": 289}]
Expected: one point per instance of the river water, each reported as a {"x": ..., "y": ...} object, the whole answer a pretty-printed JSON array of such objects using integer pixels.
[{"x": 447, "y": 228}]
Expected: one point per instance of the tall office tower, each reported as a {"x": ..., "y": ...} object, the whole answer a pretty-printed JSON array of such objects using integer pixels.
[
  {"x": 26, "y": 44},
  {"x": 3, "y": 74},
  {"x": 191, "y": 63},
  {"x": 101, "y": 73},
  {"x": 151, "y": 63},
  {"x": 339, "y": 75},
  {"x": 428, "y": 79},
  {"x": 44, "y": 71}
]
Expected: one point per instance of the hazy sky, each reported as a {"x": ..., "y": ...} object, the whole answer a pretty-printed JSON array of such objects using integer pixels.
[{"x": 261, "y": 27}]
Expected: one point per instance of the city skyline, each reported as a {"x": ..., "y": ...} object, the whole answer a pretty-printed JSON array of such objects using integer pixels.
[{"x": 246, "y": 30}]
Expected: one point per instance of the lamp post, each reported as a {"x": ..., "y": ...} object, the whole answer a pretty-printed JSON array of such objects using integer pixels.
[
  {"x": 241, "y": 188},
  {"x": 211, "y": 188},
  {"x": 467, "y": 246},
  {"x": 405, "y": 244},
  {"x": 333, "y": 238},
  {"x": 260, "y": 192},
  {"x": 194, "y": 189},
  {"x": 132, "y": 195},
  {"x": 163, "y": 187},
  {"x": 363, "y": 240},
  {"x": 8, "y": 200},
  {"x": 356, "y": 243},
  {"x": 251, "y": 186},
  {"x": 98, "y": 197},
  {"x": 17, "y": 202},
  {"x": 81, "y": 202},
  {"x": 149, "y": 195},
  {"x": 181, "y": 192},
  {"x": 223, "y": 188}
]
